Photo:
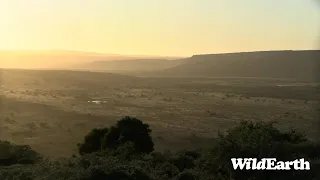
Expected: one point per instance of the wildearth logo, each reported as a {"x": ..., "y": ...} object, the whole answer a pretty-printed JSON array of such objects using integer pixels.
[{"x": 269, "y": 164}]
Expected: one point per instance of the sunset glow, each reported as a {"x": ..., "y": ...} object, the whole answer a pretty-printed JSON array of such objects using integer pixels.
[{"x": 150, "y": 27}]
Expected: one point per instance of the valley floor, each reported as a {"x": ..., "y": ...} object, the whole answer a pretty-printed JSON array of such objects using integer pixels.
[{"x": 52, "y": 113}]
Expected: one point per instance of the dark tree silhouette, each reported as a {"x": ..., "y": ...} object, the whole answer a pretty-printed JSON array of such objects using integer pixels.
[
  {"x": 117, "y": 153},
  {"x": 127, "y": 129},
  {"x": 259, "y": 140},
  {"x": 92, "y": 141},
  {"x": 11, "y": 154},
  {"x": 130, "y": 129}
]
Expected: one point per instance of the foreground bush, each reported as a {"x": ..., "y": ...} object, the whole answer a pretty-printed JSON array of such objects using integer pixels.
[
  {"x": 127, "y": 129},
  {"x": 260, "y": 140},
  {"x": 114, "y": 156},
  {"x": 92, "y": 141},
  {"x": 11, "y": 154}
]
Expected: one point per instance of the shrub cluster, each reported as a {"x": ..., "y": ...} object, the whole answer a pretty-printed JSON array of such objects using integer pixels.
[{"x": 125, "y": 151}]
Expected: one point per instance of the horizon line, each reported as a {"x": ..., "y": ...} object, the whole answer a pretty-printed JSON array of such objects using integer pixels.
[
  {"x": 144, "y": 55},
  {"x": 88, "y": 52}
]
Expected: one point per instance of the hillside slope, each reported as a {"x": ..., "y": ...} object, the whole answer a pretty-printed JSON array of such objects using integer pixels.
[
  {"x": 299, "y": 65},
  {"x": 59, "y": 78}
]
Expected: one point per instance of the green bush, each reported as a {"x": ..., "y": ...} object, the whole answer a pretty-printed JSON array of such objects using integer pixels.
[
  {"x": 127, "y": 129},
  {"x": 130, "y": 129},
  {"x": 92, "y": 141},
  {"x": 116, "y": 153},
  {"x": 183, "y": 162},
  {"x": 11, "y": 154},
  {"x": 186, "y": 175},
  {"x": 258, "y": 140}
]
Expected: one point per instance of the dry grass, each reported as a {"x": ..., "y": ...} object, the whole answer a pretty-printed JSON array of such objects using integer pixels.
[{"x": 52, "y": 116}]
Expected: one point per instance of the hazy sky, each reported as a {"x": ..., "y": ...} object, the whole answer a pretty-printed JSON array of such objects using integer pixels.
[{"x": 159, "y": 27}]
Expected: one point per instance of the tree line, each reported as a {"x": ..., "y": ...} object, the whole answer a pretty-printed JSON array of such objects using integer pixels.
[{"x": 125, "y": 151}]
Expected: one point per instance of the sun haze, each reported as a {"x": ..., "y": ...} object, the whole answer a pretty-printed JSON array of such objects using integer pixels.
[{"x": 150, "y": 27}]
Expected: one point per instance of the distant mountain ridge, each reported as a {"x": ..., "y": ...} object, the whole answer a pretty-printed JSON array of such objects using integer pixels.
[
  {"x": 303, "y": 65},
  {"x": 299, "y": 65}
]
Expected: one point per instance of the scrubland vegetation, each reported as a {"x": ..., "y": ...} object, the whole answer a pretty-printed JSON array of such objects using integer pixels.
[
  {"x": 70, "y": 125},
  {"x": 126, "y": 151}
]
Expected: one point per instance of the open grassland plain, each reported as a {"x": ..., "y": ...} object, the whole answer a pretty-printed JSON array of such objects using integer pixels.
[{"x": 52, "y": 110}]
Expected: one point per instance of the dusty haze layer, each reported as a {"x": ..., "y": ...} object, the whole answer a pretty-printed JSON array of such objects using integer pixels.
[
  {"x": 295, "y": 65},
  {"x": 59, "y": 59}
]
